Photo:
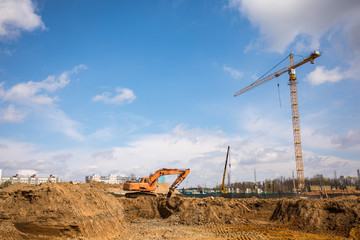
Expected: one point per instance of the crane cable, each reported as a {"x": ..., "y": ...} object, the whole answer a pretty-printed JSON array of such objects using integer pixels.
[
  {"x": 278, "y": 80},
  {"x": 273, "y": 67},
  {"x": 279, "y": 94}
]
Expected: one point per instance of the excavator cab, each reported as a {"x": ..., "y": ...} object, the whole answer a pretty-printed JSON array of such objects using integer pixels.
[{"x": 141, "y": 180}]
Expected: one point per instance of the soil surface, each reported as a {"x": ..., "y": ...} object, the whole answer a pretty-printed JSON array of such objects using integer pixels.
[{"x": 91, "y": 211}]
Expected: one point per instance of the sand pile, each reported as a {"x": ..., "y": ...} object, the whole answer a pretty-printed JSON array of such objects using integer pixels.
[
  {"x": 163, "y": 188},
  {"x": 202, "y": 211},
  {"x": 338, "y": 215},
  {"x": 58, "y": 211},
  {"x": 103, "y": 185}
]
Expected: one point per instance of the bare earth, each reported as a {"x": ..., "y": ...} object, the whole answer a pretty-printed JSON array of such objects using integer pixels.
[{"x": 90, "y": 211}]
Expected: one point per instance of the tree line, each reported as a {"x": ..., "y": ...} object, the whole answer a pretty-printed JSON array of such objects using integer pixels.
[{"x": 286, "y": 185}]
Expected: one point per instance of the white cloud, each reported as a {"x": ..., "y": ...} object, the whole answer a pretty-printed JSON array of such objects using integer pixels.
[
  {"x": 60, "y": 122},
  {"x": 10, "y": 114},
  {"x": 201, "y": 150},
  {"x": 6, "y": 52},
  {"x": 122, "y": 96},
  {"x": 19, "y": 155},
  {"x": 16, "y": 16},
  {"x": 233, "y": 72},
  {"x": 34, "y": 98},
  {"x": 282, "y": 22},
  {"x": 321, "y": 75},
  {"x": 322, "y": 164},
  {"x": 26, "y": 172},
  {"x": 350, "y": 139},
  {"x": 106, "y": 133},
  {"x": 35, "y": 93}
]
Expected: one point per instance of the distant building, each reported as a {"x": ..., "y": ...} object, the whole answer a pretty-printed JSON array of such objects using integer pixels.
[
  {"x": 33, "y": 179},
  {"x": 352, "y": 188},
  {"x": 315, "y": 188},
  {"x": 112, "y": 179},
  {"x": 319, "y": 188}
]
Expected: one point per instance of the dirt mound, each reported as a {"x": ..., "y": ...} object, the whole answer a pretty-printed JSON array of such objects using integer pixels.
[
  {"x": 104, "y": 186},
  {"x": 58, "y": 211},
  {"x": 163, "y": 188},
  {"x": 338, "y": 215},
  {"x": 202, "y": 211}
]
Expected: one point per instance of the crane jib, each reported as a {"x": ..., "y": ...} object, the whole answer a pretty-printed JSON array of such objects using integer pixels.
[{"x": 267, "y": 78}]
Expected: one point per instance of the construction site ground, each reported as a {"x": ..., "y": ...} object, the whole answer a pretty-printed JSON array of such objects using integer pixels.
[{"x": 91, "y": 211}]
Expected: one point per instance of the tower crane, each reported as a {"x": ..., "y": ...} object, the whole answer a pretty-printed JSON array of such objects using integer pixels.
[
  {"x": 223, "y": 180},
  {"x": 294, "y": 107}
]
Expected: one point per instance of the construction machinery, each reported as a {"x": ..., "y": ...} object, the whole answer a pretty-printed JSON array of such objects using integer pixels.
[
  {"x": 147, "y": 185},
  {"x": 223, "y": 180},
  {"x": 294, "y": 107}
]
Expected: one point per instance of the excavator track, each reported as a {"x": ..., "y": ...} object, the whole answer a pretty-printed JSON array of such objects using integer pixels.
[{"x": 140, "y": 194}]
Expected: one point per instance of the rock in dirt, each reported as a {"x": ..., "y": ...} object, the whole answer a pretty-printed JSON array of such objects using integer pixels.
[
  {"x": 58, "y": 211},
  {"x": 338, "y": 215}
]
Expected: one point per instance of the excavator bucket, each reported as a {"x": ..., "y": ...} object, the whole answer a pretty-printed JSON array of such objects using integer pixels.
[{"x": 170, "y": 193}]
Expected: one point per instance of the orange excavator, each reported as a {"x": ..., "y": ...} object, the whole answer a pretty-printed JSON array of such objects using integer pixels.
[{"x": 147, "y": 185}]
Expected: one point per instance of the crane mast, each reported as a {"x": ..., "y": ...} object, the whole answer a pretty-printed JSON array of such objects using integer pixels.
[
  {"x": 223, "y": 180},
  {"x": 294, "y": 108},
  {"x": 296, "y": 125}
]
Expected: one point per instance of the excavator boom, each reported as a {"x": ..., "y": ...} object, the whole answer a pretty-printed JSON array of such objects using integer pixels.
[
  {"x": 148, "y": 184},
  {"x": 167, "y": 171}
]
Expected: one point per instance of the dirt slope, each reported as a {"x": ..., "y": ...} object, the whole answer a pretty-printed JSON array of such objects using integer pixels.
[
  {"x": 339, "y": 215},
  {"x": 58, "y": 211}
]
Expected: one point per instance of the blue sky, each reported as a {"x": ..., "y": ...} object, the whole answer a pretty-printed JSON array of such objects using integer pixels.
[{"x": 120, "y": 87}]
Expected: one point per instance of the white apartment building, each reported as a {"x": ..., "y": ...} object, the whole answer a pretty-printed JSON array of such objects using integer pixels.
[
  {"x": 113, "y": 179},
  {"x": 33, "y": 179}
]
